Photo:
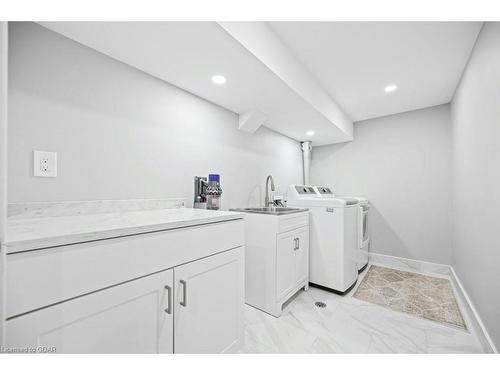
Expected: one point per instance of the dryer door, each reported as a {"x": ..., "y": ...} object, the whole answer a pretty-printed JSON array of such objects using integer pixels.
[{"x": 363, "y": 226}]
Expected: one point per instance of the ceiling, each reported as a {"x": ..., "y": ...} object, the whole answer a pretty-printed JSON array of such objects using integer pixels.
[
  {"x": 354, "y": 61},
  {"x": 188, "y": 54},
  {"x": 297, "y": 76}
]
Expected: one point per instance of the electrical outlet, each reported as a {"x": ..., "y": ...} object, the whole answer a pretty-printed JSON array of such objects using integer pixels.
[{"x": 44, "y": 164}]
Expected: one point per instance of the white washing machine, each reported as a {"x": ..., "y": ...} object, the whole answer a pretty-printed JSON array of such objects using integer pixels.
[
  {"x": 363, "y": 227},
  {"x": 333, "y": 236}
]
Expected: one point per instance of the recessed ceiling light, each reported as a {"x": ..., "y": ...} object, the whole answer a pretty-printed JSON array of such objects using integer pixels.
[
  {"x": 218, "y": 79},
  {"x": 390, "y": 88},
  {"x": 310, "y": 133}
]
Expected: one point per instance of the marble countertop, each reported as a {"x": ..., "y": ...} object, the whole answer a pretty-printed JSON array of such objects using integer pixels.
[{"x": 37, "y": 233}]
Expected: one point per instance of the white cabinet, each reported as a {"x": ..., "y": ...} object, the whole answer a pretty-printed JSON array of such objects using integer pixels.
[
  {"x": 291, "y": 260},
  {"x": 134, "y": 317},
  {"x": 40, "y": 278},
  {"x": 172, "y": 291},
  {"x": 302, "y": 255},
  {"x": 276, "y": 259},
  {"x": 209, "y": 295},
  {"x": 285, "y": 260}
]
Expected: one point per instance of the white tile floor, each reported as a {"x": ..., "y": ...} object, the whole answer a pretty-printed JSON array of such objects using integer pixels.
[{"x": 349, "y": 325}]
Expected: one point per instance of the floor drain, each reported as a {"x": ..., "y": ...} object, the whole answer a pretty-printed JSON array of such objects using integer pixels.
[{"x": 321, "y": 305}]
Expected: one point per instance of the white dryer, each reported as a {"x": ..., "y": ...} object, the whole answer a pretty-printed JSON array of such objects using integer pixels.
[
  {"x": 333, "y": 240},
  {"x": 363, "y": 233}
]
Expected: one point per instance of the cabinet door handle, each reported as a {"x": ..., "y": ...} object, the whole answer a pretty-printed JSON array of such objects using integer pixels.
[
  {"x": 168, "y": 310},
  {"x": 298, "y": 243},
  {"x": 184, "y": 293},
  {"x": 295, "y": 244}
]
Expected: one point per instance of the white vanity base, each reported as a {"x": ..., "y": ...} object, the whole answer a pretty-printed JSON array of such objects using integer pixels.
[
  {"x": 179, "y": 290},
  {"x": 276, "y": 259}
]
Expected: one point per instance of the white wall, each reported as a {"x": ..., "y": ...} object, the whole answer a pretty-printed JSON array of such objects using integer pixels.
[
  {"x": 401, "y": 163},
  {"x": 121, "y": 133},
  {"x": 476, "y": 178}
]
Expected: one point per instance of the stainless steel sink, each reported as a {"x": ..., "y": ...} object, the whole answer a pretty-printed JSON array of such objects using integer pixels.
[{"x": 270, "y": 210}]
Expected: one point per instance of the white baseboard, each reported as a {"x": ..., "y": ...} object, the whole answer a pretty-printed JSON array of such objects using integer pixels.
[
  {"x": 474, "y": 312},
  {"x": 447, "y": 271},
  {"x": 410, "y": 264}
]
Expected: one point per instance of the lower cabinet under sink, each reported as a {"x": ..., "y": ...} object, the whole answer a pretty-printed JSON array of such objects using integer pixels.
[{"x": 276, "y": 259}]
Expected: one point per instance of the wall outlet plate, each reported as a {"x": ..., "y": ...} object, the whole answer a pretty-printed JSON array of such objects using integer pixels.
[{"x": 44, "y": 164}]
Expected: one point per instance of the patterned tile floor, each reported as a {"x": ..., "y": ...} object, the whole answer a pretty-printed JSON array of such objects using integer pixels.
[{"x": 349, "y": 325}]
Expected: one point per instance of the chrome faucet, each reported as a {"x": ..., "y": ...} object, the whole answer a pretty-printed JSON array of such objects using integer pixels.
[{"x": 266, "y": 202}]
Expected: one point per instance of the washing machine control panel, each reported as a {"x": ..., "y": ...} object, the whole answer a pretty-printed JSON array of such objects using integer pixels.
[
  {"x": 324, "y": 190},
  {"x": 301, "y": 189}
]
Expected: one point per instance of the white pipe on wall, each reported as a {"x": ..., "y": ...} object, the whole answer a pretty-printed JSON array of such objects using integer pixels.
[{"x": 306, "y": 160}]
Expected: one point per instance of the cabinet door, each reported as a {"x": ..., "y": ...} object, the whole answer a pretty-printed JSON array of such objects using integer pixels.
[
  {"x": 285, "y": 264},
  {"x": 133, "y": 317},
  {"x": 209, "y": 302},
  {"x": 302, "y": 255}
]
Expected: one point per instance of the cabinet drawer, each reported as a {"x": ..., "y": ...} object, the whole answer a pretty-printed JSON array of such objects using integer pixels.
[
  {"x": 290, "y": 223},
  {"x": 39, "y": 278}
]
